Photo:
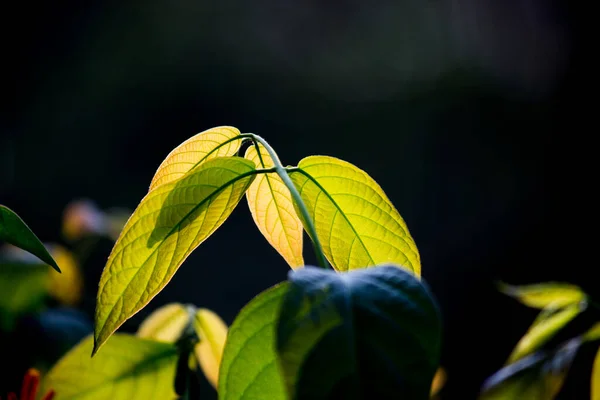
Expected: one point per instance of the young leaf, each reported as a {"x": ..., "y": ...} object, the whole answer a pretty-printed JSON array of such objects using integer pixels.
[
  {"x": 14, "y": 231},
  {"x": 212, "y": 332},
  {"x": 596, "y": 377},
  {"x": 542, "y": 295},
  {"x": 593, "y": 333},
  {"x": 357, "y": 224},
  {"x": 367, "y": 334},
  {"x": 170, "y": 222},
  {"x": 249, "y": 367},
  {"x": 548, "y": 323},
  {"x": 273, "y": 211},
  {"x": 128, "y": 368},
  {"x": 165, "y": 324},
  {"x": 212, "y": 143}
]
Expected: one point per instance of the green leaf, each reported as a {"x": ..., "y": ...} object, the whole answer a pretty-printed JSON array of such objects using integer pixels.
[
  {"x": 544, "y": 295},
  {"x": 593, "y": 333},
  {"x": 165, "y": 324},
  {"x": 14, "y": 231},
  {"x": 273, "y": 211},
  {"x": 249, "y": 367},
  {"x": 367, "y": 334},
  {"x": 170, "y": 222},
  {"x": 212, "y": 143},
  {"x": 595, "y": 389},
  {"x": 357, "y": 224},
  {"x": 212, "y": 332},
  {"x": 548, "y": 323},
  {"x": 128, "y": 368},
  {"x": 539, "y": 376}
]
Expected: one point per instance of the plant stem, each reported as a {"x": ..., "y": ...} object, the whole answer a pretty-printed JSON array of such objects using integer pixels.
[{"x": 282, "y": 172}]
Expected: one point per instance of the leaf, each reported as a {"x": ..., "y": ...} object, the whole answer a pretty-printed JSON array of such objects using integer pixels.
[
  {"x": 356, "y": 223},
  {"x": 212, "y": 332},
  {"x": 593, "y": 333},
  {"x": 542, "y": 295},
  {"x": 249, "y": 367},
  {"x": 128, "y": 368},
  {"x": 539, "y": 376},
  {"x": 548, "y": 323},
  {"x": 14, "y": 231},
  {"x": 165, "y": 324},
  {"x": 370, "y": 334},
  {"x": 212, "y": 143},
  {"x": 170, "y": 222},
  {"x": 439, "y": 380},
  {"x": 595, "y": 389},
  {"x": 273, "y": 211}
]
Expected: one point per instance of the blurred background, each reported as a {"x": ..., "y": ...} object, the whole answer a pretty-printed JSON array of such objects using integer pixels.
[{"x": 451, "y": 105}]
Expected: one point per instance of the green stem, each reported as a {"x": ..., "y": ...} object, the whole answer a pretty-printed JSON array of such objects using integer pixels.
[{"x": 283, "y": 174}]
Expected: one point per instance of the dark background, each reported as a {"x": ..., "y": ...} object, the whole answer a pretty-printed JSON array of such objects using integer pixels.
[{"x": 450, "y": 105}]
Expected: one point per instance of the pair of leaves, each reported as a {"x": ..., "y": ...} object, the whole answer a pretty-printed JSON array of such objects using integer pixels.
[
  {"x": 197, "y": 187},
  {"x": 372, "y": 333}
]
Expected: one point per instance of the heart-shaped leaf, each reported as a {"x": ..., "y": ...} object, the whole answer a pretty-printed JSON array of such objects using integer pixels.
[
  {"x": 170, "y": 222},
  {"x": 212, "y": 332},
  {"x": 542, "y": 295},
  {"x": 367, "y": 334},
  {"x": 357, "y": 224}
]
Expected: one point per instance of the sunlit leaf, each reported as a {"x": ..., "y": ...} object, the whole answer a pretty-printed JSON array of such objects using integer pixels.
[
  {"x": 170, "y": 222},
  {"x": 14, "y": 231},
  {"x": 249, "y": 367},
  {"x": 542, "y": 295},
  {"x": 548, "y": 323},
  {"x": 165, "y": 324},
  {"x": 357, "y": 224},
  {"x": 595, "y": 389},
  {"x": 439, "y": 380},
  {"x": 370, "y": 333},
  {"x": 212, "y": 333},
  {"x": 67, "y": 287},
  {"x": 128, "y": 368},
  {"x": 273, "y": 211},
  {"x": 593, "y": 333},
  {"x": 204, "y": 146}
]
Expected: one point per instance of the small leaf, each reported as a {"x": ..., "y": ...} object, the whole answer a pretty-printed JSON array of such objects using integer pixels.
[
  {"x": 542, "y": 295},
  {"x": 273, "y": 211},
  {"x": 370, "y": 333},
  {"x": 548, "y": 323},
  {"x": 212, "y": 332},
  {"x": 249, "y": 367},
  {"x": 356, "y": 223},
  {"x": 14, "y": 231},
  {"x": 593, "y": 333},
  {"x": 170, "y": 222},
  {"x": 202, "y": 147},
  {"x": 166, "y": 324},
  {"x": 596, "y": 378},
  {"x": 439, "y": 380},
  {"x": 128, "y": 368}
]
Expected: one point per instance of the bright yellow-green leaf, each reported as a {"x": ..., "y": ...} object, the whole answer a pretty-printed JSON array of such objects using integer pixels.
[
  {"x": 212, "y": 332},
  {"x": 596, "y": 378},
  {"x": 128, "y": 368},
  {"x": 548, "y": 323},
  {"x": 273, "y": 210},
  {"x": 170, "y": 222},
  {"x": 542, "y": 295},
  {"x": 357, "y": 224},
  {"x": 204, "y": 146},
  {"x": 593, "y": 333},
  {"x": 165, "y": 324}
]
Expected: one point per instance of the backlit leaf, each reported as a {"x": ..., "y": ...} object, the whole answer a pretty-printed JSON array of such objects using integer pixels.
[
  {"x": 367, "y": 334},
  {"x": 128, "y": 368},
  {"x": 273, "y": 210},
  {"x": 596, "y": 378},
  {"x": 542, "y": 295},
  {"x": 356, "y": 223},
  {"x": 249, "y": 368},
  {"x": 593, "y": 333},
  {"x": 204, "y": 146},
  {"x": 439, "y": 380},
  {"x": 170, "y": 222},
  {"x": 212, "y": 333},
  {"x": 166, "y": 324},
  {"x": 14, "y": 231}
]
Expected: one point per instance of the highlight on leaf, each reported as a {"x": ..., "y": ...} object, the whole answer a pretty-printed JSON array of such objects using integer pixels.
[
  {"x": 165, "y": 324},
  {"x": 206, "y": 145},
  {"x": 356, "y": 222},
  {"x": 595, "y": 382},
  {"x": 212, "y": 333},
  {"x": 169, "y": 223},
  {"x": 542, "y": 295},
  {"x": 273, "y": 210}
]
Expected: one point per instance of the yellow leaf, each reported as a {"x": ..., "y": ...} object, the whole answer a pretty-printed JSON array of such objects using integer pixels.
[
  {"x": 273, "y": 210},
  {"x": 542, "y": 295},
  {"x": 212, "y": 332},
  {"x": 170, "y": 222},
  {"x": 439, "y": 380},
  {"x": 66, "y": 287},
  {"x": 596, "y": 378},
  {"x": 357, "y": 224},
  {"x": 204, "y": 146},
  {"x": 165, "y": 324},
  {"x": 593, "y": 333}
]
